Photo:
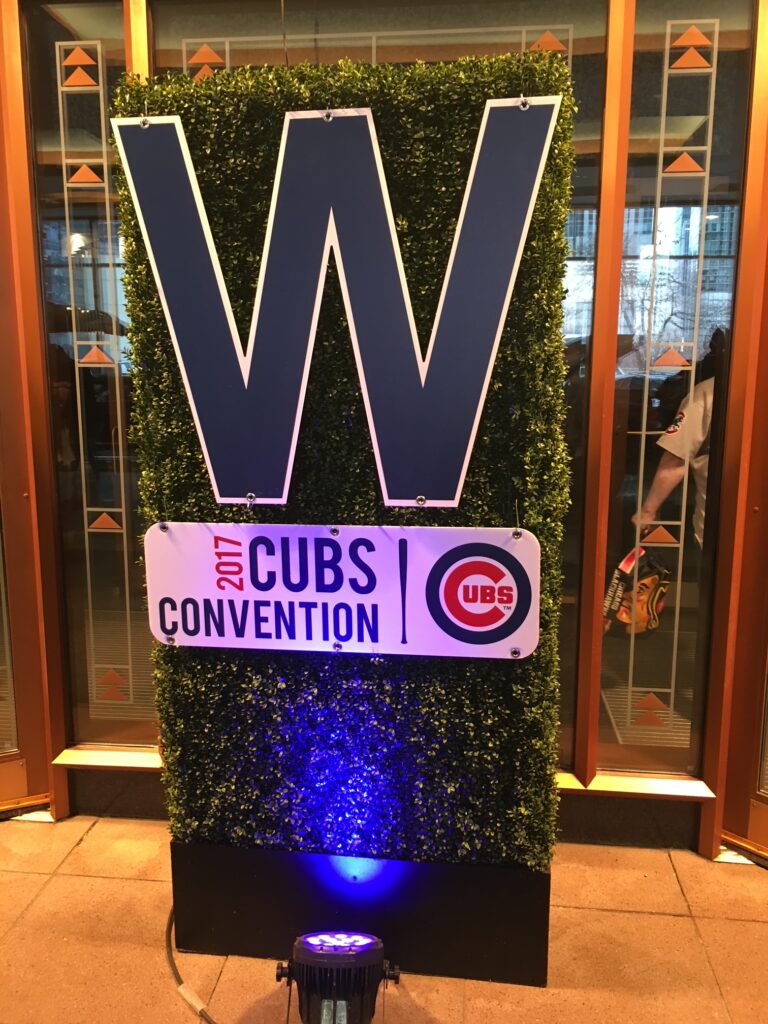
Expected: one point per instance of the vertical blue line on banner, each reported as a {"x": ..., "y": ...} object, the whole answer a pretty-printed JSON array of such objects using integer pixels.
[{"x": 403, "y": 555}]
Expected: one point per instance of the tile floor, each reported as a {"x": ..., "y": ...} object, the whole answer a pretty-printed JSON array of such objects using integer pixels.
[{"x": 637, "y": 936}]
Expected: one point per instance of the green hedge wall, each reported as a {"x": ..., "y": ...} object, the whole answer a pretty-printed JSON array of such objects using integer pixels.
[{"x": 419, "y": 758}]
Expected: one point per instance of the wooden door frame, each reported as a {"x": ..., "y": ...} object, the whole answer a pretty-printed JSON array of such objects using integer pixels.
[
  {"x": 743, "y": 803},
  {"x": 735, "y": 559},
  {"x": 27, "y": 481}
]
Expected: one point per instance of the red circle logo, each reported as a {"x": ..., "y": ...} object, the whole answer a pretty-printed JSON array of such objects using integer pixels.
[{"x": 478, "y": 593}]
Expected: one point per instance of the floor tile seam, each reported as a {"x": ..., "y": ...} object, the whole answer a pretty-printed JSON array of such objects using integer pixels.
[
  {"x": 6, "y": 931},
  {"x": 110, "y": 878},
  {"x": 700, "y": 937},
  {"x": 19, "y": 871},
  {"x": 218, "y": 979},
  {"x": 623, "y": 910},
  {"x": 679, "y": 882},
  {"x": 704, "y": 916},
  {"x": 73, "y": 848}
]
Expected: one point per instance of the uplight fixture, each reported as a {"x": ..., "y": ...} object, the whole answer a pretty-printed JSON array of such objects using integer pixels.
[{"x": 337, "y": 975}]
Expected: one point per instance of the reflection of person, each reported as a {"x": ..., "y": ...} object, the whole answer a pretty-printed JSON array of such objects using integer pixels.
[{"x": 686, "y": 439}]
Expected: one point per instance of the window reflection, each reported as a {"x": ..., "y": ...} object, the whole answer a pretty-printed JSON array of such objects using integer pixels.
[
  {"x": 76, "y": 57},
  {"x": 680, "y": 243}
]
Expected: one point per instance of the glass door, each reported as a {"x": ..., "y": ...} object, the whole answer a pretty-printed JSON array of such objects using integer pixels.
[{"x": 24, "y": 754}]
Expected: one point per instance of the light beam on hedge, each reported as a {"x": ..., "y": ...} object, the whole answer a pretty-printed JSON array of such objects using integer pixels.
[{"x": 330, "y": 194}]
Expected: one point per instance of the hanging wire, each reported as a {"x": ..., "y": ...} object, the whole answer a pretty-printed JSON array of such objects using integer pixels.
[
  {"x": 285, "y": 38},
  {"x": 517, "y": 533}
]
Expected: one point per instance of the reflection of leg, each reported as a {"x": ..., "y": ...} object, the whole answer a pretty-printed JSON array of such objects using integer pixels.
[
  {"x": 615, "y": 661},
  {"x": 688, "y": 629},
  {"x": 696, "y": 690},
  {"x": 614, "y": 688}
]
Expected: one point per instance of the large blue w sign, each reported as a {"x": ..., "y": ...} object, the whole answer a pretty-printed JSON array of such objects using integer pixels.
[{"x": 330, "y": 194}]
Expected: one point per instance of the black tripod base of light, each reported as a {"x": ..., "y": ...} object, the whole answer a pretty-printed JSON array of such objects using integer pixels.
[{"x": 481, "y": 921}]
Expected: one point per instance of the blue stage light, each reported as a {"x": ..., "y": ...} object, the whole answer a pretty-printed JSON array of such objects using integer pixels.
[
  {"x": 357, "y": 870},
  {"x": 361, "y": 880},
  {"x": 339, "y": 940},
  {"x": 337, "y": 976}
]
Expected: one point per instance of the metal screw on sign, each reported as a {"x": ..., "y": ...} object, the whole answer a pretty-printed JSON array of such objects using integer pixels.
[
  {"x": 517, "y": 534},
  {"x": 515, "y": 652},
  {"x": 144, "y": 122},
  {"x": 250, "y": 498},
  {"x": 337, "y": 646},
  {"x": 327, "y": 116},
  {"x": 524, "y": 104},
  {"x": 164, "y": 527},
  {"x": 171, "y": 640},
  {"x": 334, "y": 531},
  {"x": 421, "y": 500}
]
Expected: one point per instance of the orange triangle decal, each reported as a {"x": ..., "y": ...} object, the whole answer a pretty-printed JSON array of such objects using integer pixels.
[
  {"x": 648, "y": 718},
  {"x": 112, "y": 693},
  {"x": 684, "y": 164},
  {"x": 112, "y": 678},
  {"x": 651, "y": 702},
  {"x": 692, "y": 37},
  {"x": 203, "y": 73},
  {"x": 96, "y": 356},
  {"x": 205, "y": 55},
  {"x": 78, "y": 58},
  {"x": 85, "y": 175},
  {"x": 104, "y": 522},
  {"x": 691, "y": 59},
  {"x": 78, "y": 79},
  {"x": 659, "y": 536},
  {"x": 548, "y": 41},
  {"x": 671, "y": 358}
]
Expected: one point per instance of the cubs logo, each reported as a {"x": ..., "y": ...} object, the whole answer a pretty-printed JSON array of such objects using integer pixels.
[
  {"x": 478, "y": 593},
  {"x": 676, "y": 423}
]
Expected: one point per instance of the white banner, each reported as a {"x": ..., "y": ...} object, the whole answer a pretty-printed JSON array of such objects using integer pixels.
[{"x": 447, "y": 592}]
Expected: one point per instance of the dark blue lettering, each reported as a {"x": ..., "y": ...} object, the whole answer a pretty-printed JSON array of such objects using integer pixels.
[
  {"x": 327, "y": 559},
  {"x": 307, "y": 607},
  {"x": 362, "y": 544},
  {"x": 190, "y": 616},
  {"x": 170, "y": 604},
  {"x": 256, "y": 581},
  {"x": 260, "y": 620},
  {"x": 423, "y": 423},
  {"x": 324, "y": 621},
  {"x": 285, "y": 621},
  {"x": 366, "y": 624},
  {"x": 342, "y": 632},
  {"x": 238, "y": 623},
  {"x": 295, "y": 586},
  {"x": 213, "y": 619}
]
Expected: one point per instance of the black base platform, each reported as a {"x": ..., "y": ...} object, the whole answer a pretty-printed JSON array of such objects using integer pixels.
[{"x": 480, "y": 921}]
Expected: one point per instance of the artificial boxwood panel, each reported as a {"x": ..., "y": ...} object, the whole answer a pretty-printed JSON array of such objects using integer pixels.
[{"x": 420, "y": 758}]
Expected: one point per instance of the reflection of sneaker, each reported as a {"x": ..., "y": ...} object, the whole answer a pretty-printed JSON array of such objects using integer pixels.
[{"x": 638, "y": 608}]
